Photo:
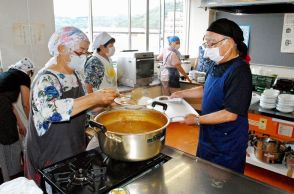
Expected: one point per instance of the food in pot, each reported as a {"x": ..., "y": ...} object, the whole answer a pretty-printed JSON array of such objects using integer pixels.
[{"x": 132, "y": 127}]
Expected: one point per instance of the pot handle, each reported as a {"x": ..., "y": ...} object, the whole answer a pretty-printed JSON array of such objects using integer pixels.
[
  {"x": 102, "y": 128},
  {"x": 164, "y": 106}
]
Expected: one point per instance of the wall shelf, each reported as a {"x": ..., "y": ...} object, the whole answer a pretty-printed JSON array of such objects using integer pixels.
[{"x": 277, "y": 168}]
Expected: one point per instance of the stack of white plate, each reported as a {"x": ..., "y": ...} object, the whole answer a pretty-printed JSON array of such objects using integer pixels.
[
  {"x": 268, "y": 98},
  {"x": 285, "y": 103}
]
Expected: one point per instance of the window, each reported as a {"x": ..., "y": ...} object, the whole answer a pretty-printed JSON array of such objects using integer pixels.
[
  {"x": 165, "y": 18},
  {"x": 71, "y": 13},
  {"x": 155, "y": 25},
  {"x": 111, "y": 19},
  {"x": 138, "y": 24}
]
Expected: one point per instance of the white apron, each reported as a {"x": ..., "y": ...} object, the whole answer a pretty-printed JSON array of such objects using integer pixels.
[{"x": 110, "y": 79}]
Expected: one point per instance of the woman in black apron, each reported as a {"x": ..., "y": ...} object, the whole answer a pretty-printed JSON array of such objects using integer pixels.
[
  {"x": 13, "y": 82},
  {"x": 58, "y": 105},
  {"x": 170, "y": 73}
]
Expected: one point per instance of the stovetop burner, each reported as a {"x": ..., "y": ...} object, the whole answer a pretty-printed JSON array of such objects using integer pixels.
[{"x": 93, "y": 172}]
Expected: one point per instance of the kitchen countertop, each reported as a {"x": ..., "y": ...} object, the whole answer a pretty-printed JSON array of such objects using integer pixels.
[
  {"x": 255, "y": 108},
  {"x": 187, "y": 174},
  {"x": 121, "y": 88}
]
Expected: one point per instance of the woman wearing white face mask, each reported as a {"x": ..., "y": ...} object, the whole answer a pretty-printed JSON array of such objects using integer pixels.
[
  {"x": 58, "y": 105},
  {"x": 99, "y": 71},
  {"x": 169, "y": 75},
  {"x": 226, "y": 97}
]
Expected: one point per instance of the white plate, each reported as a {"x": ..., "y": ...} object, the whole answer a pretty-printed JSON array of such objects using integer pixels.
[
  {"x": 271, "y": 92},
  {"x": 286, "y": 98},
  {"x": 285, "y": 104},
  {"x": 268, "y": 100},
  {"x": 265, "y": 106},
  {"x": 125, "y": 101},
  {"x": 284, "y": 110}
]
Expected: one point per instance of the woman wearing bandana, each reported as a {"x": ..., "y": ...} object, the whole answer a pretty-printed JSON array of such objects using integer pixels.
[
  {"x": 58, "y": 105},
  {"x": 169, "y": 75},
  {"x": 226, "y": 97},
  {"x": 13, "y": 82}
]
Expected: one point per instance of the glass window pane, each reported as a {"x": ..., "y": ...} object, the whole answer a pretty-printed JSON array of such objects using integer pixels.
[
  {"x": 180, "y": 23},
  {"x": 138, "y": 24},
  {"x": 112, "y": 16},
  {"x": 154, "y": 26},
  {"x": 71, "y": 13},
  {"x": 169, "y": 17}
]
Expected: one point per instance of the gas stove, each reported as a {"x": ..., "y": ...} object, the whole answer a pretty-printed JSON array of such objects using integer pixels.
[{"x": 93, "y": 172}]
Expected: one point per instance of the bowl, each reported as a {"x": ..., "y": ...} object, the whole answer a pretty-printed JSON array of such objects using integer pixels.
[
  {"x": 270, "y": 93},
  {"x": 286, "y": 98}
]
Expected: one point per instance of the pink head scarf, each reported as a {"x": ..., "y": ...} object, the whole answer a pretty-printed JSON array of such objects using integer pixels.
[{"x": 68, "y": 36}]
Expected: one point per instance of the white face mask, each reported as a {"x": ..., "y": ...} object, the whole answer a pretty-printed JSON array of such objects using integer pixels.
[
  {"x": 111, "y": 51},
  {"x": 177, "y": 46},
  {"x": 213, "y": 54},
  {"x": 77, "y": 62}
]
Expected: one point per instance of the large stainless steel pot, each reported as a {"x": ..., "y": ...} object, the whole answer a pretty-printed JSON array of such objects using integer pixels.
[{"x": 129, "y": 146}]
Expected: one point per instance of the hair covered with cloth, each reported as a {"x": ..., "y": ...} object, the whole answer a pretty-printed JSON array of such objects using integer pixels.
[
  {"x": 68, "y": 36},
  {"x": 25, "y": 65},
  {"x": 229, "y": 28},
  {"x": 173, "y": 39}
]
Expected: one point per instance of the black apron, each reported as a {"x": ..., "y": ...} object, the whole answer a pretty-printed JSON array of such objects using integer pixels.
[
  {"x": 8, "y": 121},
  {"x": 61, "y": 141},
  {"x": 173, "y": 78}
]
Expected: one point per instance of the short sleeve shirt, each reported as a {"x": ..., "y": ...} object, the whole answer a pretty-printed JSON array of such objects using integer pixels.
[
  {"x": 237, "y": 86},
  {"x": 170, "y": 60},
  {"x": 94, "y": 72},
  {"x": 10, "y": 82}
]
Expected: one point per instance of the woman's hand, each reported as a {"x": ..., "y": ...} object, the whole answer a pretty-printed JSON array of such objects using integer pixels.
[
  {"x": 190, "y": 119},
  {"x": 177, "y": 94},
  {"x": 105, "y": 97}
]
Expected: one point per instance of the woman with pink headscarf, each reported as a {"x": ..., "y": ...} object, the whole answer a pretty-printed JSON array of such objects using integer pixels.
[{"x": 58, "y": 105}]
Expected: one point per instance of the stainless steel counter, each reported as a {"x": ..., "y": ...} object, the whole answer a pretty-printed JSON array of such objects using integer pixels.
[{"x": 184, "y": 174}]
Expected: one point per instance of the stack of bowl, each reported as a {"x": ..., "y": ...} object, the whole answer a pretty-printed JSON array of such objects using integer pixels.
[
  {"x": 285, "y": 103},
  {"x": 268, "y": 98}
]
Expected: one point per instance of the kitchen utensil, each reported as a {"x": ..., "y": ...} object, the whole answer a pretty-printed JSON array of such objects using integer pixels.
[
  {"x": 269, "y": 150},
  {"x": 131, "y": 135}
]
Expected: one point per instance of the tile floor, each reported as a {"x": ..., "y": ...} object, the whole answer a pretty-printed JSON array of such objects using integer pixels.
[{"x": 185, "y": 138}]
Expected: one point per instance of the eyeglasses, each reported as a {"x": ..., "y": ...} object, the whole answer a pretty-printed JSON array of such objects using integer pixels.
[
  {"x": 209, "y": 45},
  {"x": 81, "y": 53}
]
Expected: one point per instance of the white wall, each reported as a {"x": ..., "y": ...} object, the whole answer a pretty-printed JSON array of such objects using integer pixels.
[
  {"x": 199, "y": 19},
  {"x": 285, "y": 72},
  {"x": 25, "y": 27}
]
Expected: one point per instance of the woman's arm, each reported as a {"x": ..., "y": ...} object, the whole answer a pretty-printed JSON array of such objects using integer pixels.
[
  {"x": 196, "y": 92},
  {"x": 22, "y": 129},
  {"x": 89, "y": 88},
  {"x": 182, "y": 71},
  {"x": 47, "y": 101},
  {"x": 25, "y": 99},
  {"x": 222, "y": 116},
  {"x": 99, "y": 98}
]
